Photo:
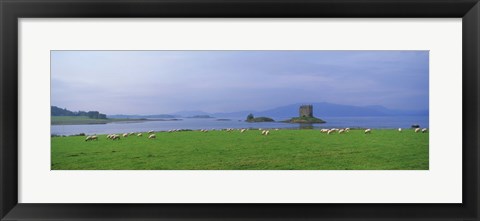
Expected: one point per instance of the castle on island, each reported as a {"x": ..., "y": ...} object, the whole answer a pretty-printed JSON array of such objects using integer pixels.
[
  {"x": 306, "y": 110},
  {"x": 305, "y": 116}
]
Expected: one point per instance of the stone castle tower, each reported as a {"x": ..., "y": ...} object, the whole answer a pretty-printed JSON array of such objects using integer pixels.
[{"x": 306, "y": 111}]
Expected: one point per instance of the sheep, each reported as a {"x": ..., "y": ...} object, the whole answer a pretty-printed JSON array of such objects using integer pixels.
[
  {"x": 139, "y": 135},
  {"x": 263, "y": 132},
  {"x": 125, "y": 135},
  {"x": 347, "y": 129},
  {"x": 367, "y": 131},
  {"x": 115, "y": 137},
  {"x": 341, "y": 131},
  {"x": 330, "y": 131},
  {"x": 109, "y": 136},
  {"x": 267, "y": 132},
  {"x": 323, "y": 130},
  {"x": 242, "y": 130},
  {"x": 94, "y": 138},
  {"x": 424, "y": 130},
  {"x": 152, "y": 136},
  {"x": 276, "y": 129},
  {"x": 417, "y": 130},
  {"x": 88, "y": 138},
  {"x": 150, "y": 131},
  {"x": 131, "y": 133},
  {"x": 205, "y": 130},
  {"x": 399, "y": 129}
]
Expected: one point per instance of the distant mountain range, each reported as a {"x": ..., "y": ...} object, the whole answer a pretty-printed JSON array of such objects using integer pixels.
[
  {"x": 141, "y": 116},
  {"x": 324, "y": 109},
  {"x": 321, "y": 109}
]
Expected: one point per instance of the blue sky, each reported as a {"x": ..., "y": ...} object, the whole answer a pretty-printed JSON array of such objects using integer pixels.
[{"x": 156, "y": 82}]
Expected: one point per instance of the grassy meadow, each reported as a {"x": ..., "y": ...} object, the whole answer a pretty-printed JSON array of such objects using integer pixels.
[{"x": 222, "y": 150}]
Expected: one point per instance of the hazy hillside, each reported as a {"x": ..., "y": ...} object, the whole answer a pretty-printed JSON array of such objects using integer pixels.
[
  {"x": 321, "y": 109},
  {"x": 324, "y": 109},
  {"x": 141, "y": 116}
]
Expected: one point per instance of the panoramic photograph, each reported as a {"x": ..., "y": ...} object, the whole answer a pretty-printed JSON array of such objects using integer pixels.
[{"x": 240, "y": 110}]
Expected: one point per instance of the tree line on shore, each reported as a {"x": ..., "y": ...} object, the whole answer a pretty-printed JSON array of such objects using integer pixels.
[{"x": 56, "y": 111}]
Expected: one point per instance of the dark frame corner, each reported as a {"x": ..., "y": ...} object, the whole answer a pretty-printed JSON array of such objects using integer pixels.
[{"x": 11, "y": 10}]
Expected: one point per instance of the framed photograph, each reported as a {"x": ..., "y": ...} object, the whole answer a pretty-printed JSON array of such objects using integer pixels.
[{"x": 256, "y": 110}]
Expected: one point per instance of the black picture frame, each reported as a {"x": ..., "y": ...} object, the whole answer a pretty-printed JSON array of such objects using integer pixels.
[{"x": 12, "y": 10}]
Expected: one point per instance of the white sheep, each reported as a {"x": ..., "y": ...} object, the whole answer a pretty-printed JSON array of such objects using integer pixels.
[
  {"x": 330, "y": 131},
  {"x": 242, "y": 130},
  {"x": 115, "y": 137},
  {"x": 150, "y": 131},
  {"x": 263, "y": 132},
  {"x": 152, "y": 136},
  {"x": 417, "y": 130},
  {"x": 341, "y": 131},
  {"x": 347, "y": 129},
  {"x": 125, "y": 135},
  {"x": 267, "y": 132},
  {"x": 424, "y": 130},
  {"x": 139, "y": 135},
  {"x": 399, "y": 129},
  {"x": 367, "y": 131}
]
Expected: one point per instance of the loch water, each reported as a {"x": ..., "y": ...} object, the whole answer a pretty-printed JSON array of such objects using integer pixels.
[{"x": 213, "y": 123}]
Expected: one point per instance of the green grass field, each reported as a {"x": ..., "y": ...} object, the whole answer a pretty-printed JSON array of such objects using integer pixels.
[{"x": 221, "y": 150}]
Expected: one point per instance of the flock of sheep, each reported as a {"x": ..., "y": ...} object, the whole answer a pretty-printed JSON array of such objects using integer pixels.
[
  {"x": 117, "y": 136},
  {"x": 424, "y": 130},
  {"x": 340, "y": 131},
  {"x": 367, "y": 131},
  {"x": 264, "y": 132},
  {"x": 151, "y": 134}
]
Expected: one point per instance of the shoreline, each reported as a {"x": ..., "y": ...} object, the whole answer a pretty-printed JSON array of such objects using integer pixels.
[
  {"x": 104, "y": 121},
  {"x": 234, "y": 129}
]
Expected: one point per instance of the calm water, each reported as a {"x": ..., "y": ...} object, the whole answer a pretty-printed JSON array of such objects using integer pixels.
[{"x": 212, "y": 123}]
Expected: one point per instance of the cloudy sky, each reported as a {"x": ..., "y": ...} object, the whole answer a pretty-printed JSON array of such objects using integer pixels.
[{"x": 156, "y": 82}]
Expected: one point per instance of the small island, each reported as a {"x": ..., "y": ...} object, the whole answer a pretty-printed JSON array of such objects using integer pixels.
[
  {"x": 305, "y": 120},
  {"x": 251, "y": 119},
  {"x": 306, "y": 116}
]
